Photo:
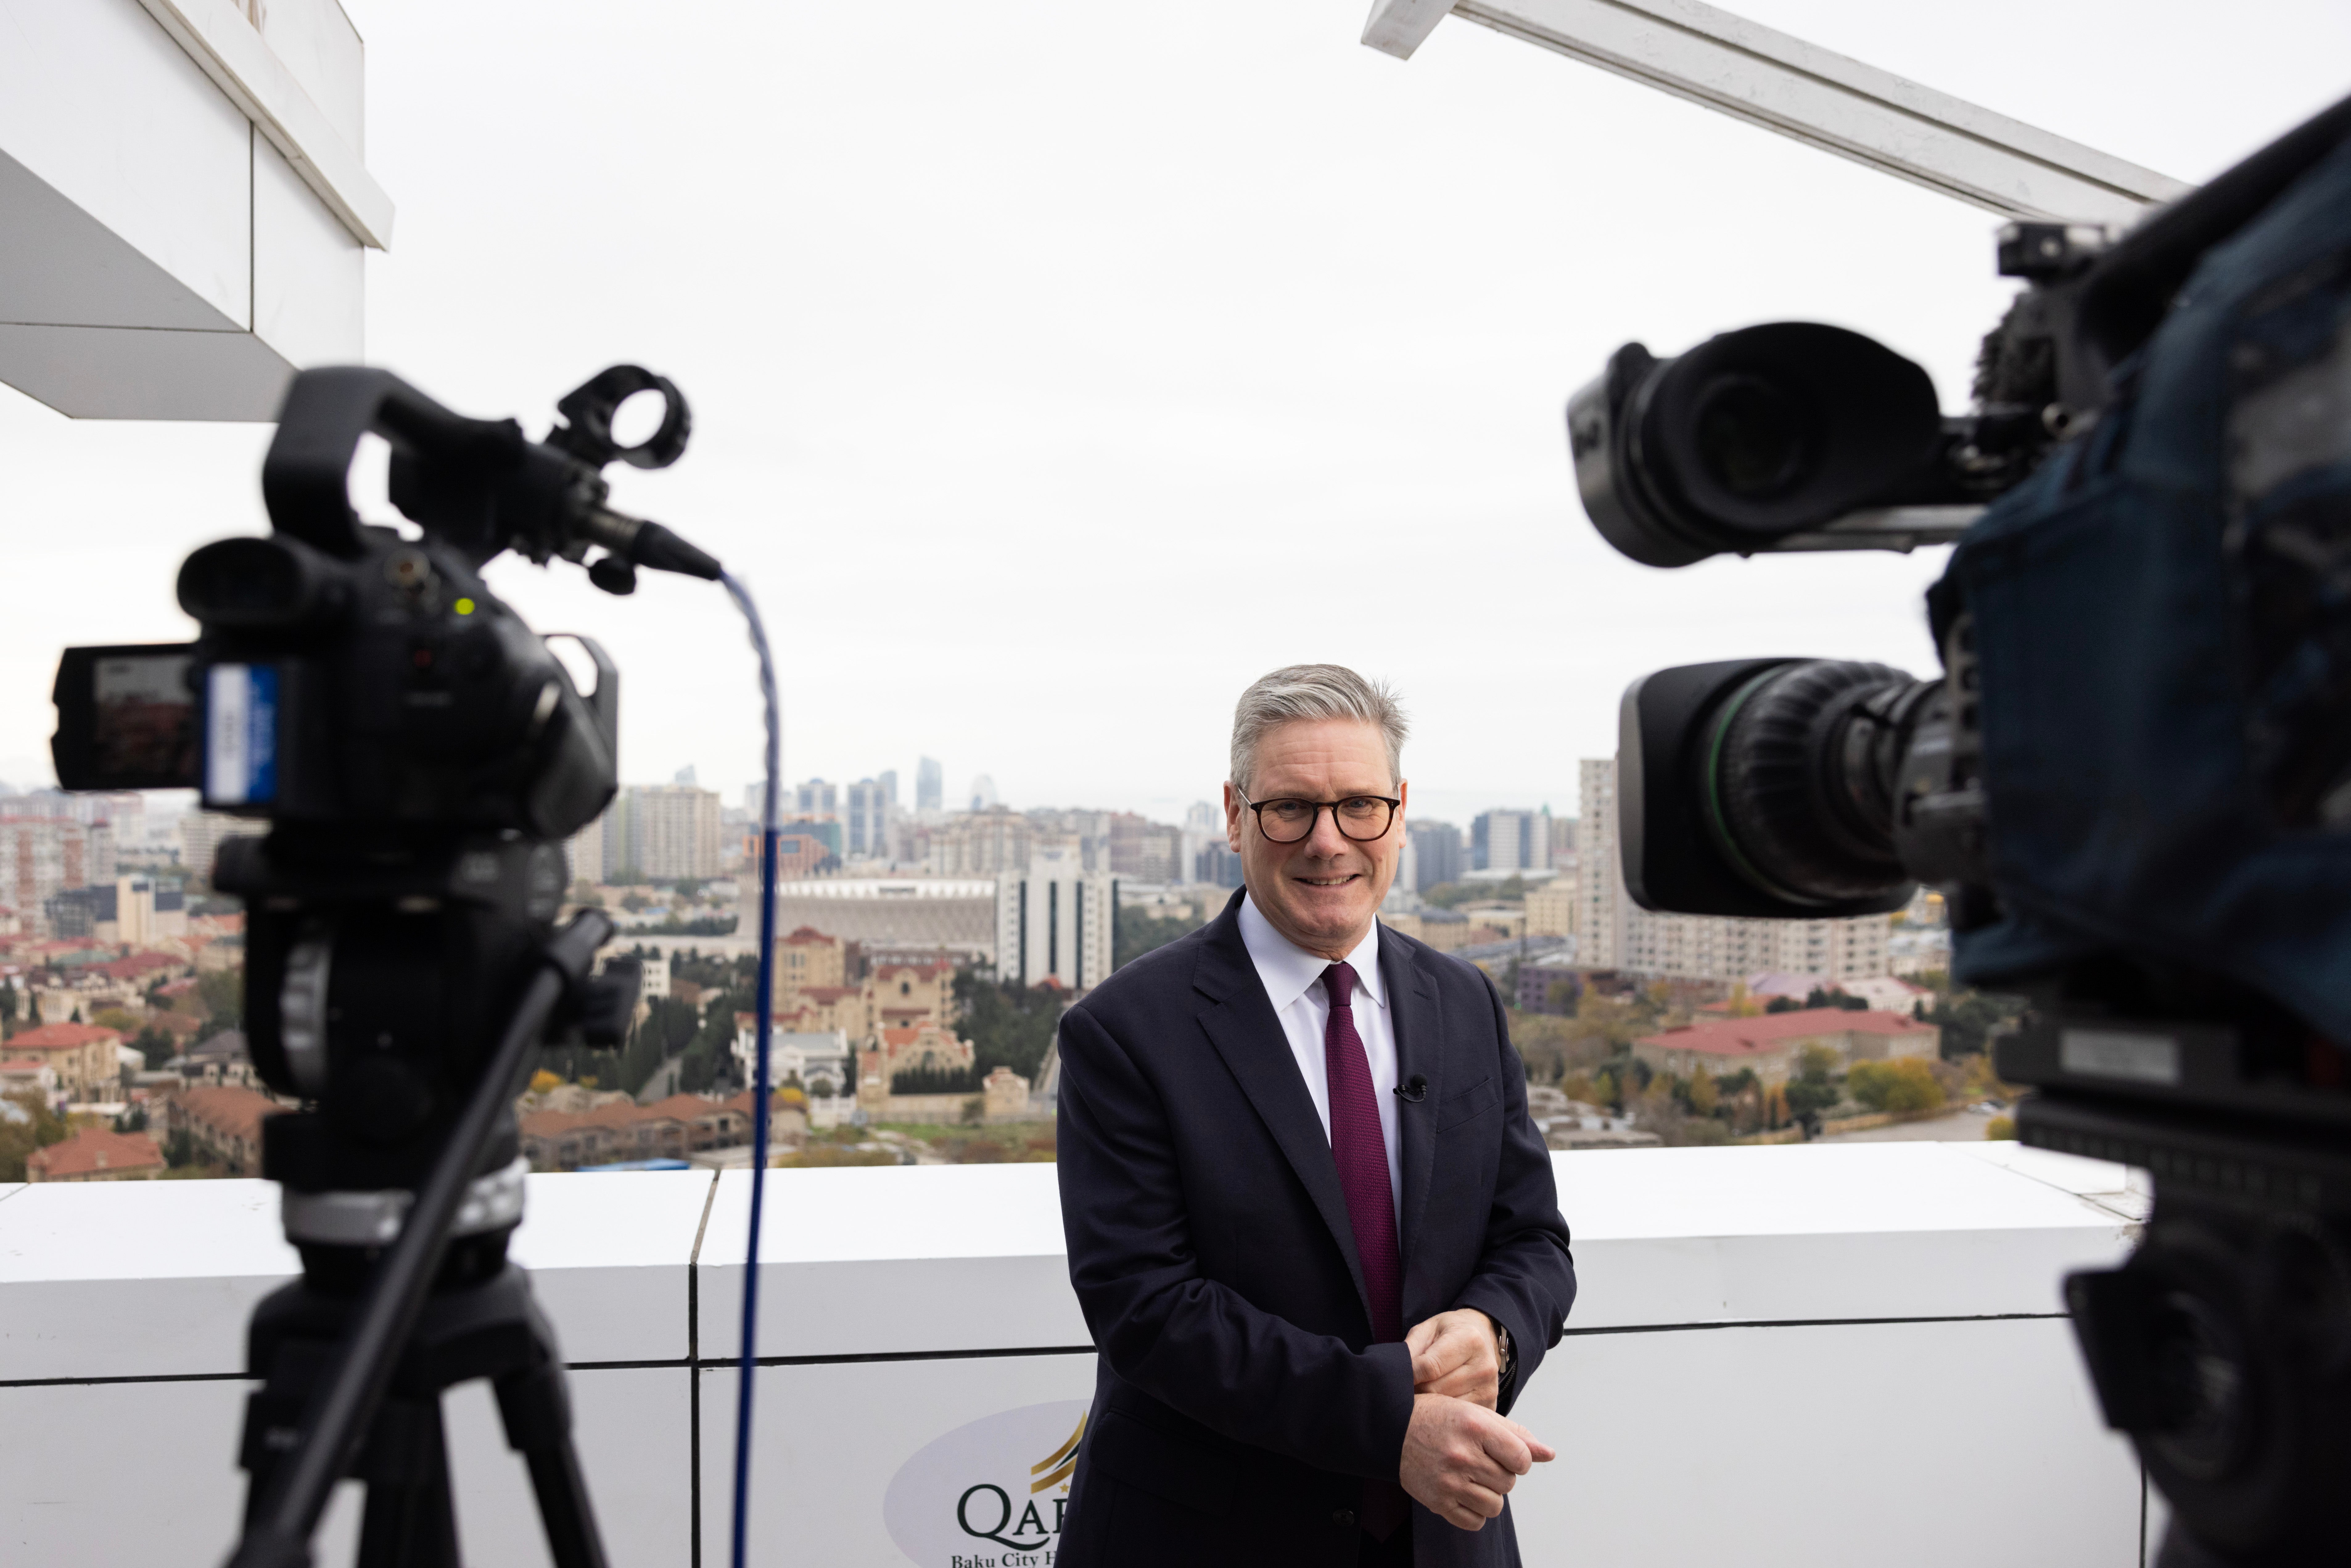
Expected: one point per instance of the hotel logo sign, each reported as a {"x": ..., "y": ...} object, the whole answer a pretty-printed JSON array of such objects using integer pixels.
[{"x": 991, "y": 1494}]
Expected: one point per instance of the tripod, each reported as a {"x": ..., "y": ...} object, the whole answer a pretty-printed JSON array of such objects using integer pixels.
[{"x": 402, "y": 1297}]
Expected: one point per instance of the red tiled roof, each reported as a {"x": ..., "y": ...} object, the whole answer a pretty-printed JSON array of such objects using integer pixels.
[
  {"x": 827, "y": 993},
  {"x": 61, "y": 1037},
  {"x": 228, "y": 1109},
  {"x": 91, "y": 1150},
  {"x": 1748, "y": 1036},
  {"x": 807, "y": 935}
]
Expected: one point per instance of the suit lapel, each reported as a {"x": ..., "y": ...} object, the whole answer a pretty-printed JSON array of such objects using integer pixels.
[
  {"x": 1420, "y": 1051},
  {"x": 1240, "y": 1023}
]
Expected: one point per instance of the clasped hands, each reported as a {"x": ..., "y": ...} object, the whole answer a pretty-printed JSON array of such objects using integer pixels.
[{"x": 1460, "y": 1459}]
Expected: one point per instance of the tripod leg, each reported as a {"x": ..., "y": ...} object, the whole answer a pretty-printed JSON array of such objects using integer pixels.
[
  {"x": 410, "y": 1521},
  {"x": 538, "y": 1411}
]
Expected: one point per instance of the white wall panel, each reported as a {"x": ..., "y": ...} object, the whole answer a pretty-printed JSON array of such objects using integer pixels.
[
  {"x": 100, "y": 102},
  {"x": 308, "y": 272}
]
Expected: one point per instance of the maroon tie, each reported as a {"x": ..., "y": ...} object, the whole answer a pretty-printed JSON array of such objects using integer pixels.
[{"x": 1362, "y": 1156}]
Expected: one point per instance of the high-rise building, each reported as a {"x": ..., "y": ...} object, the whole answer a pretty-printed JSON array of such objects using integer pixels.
[
  {"x": 584, "y": 852},
  {"x": 1145, "y": 849},
  {"x": 983, "y": 792},
  {"x": 662, "y": 832},
  {"x": 930, "y": 785},
  {"x": 1615, "y": 933},
  {"x": 1438, "y": 856},
  {"x": 867, "y": 817},
  {"x": 888, "y": 780},
  {"x": 1055, "y": 920},
  {"x": 982, "y": 843},
  {"x": 815, "y": 798},
  {"x": 1511, "y": 841}
]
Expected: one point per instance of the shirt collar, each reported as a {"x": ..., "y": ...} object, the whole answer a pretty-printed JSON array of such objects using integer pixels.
[{"x": 1288, "y": 971}]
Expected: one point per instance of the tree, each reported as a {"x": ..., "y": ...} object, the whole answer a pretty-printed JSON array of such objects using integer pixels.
[
  {"x": 222, "y": 993},
  {"x": 1138, "y": 933},
  {"x": 1905, "y": 1085},
  {"x": 1702, "y": 1095},
  {"x": 1007, "y": 1025},
  {"x": 1815, "y": 1088},
  {"x": 156, "y": 1046},
  {"x": 26, "y": 1124},
  {"x": 7, "y": 1000},
  {"x": 1969, "y": 1019}
]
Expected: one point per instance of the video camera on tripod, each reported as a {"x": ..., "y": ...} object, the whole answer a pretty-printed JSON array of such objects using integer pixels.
[
  {"x": 420, "y": 754},
  {"x": 2133, "y": 779}
]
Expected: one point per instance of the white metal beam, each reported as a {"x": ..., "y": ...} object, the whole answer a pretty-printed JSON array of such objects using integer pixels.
[
  {"x": 1825, "y": 100},
  {"x": 227, "y": 47}
]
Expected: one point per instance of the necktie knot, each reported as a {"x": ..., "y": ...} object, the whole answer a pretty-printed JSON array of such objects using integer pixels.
[{"x": 1339, "y": 980}]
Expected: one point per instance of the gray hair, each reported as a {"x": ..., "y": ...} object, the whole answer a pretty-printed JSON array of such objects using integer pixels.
[{"x": 1306, "y": 692}]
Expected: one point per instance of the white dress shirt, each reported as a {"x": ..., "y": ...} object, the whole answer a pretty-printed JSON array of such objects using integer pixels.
[{"x": 1292, "y": 978}]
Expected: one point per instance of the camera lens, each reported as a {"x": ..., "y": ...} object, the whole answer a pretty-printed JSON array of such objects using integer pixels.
[
  {"x": 1798, "y": 769},
  {"x": 1755, "y": 440}
]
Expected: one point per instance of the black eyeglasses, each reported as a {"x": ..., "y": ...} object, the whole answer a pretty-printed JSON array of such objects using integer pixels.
[{"x": 1362, "y": 818}]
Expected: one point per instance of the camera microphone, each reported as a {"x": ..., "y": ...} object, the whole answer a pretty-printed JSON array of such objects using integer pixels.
[
  {"x": 1413, "y": 1089},
  {"x": 648, "y": 544}
]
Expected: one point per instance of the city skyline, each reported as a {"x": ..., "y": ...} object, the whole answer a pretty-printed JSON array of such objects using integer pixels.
[{"x": 1136, "y": 413}]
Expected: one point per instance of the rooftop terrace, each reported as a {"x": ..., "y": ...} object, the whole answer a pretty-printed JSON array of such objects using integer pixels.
[{"x": 1814, "y": 1355}]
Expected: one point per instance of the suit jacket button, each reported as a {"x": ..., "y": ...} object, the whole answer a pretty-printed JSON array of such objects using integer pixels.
[{"x": 1344, "y": 1517}]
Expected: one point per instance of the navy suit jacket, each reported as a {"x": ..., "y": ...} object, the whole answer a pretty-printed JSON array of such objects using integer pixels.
[{"x": 1238, "y": 1402}]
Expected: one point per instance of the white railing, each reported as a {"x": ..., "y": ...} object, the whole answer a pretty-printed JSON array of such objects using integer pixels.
[{"x": 1801, "y": 1355}]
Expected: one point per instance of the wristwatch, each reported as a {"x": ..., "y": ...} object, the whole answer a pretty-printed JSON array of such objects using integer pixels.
[{"x": 1509, "y": 1354}]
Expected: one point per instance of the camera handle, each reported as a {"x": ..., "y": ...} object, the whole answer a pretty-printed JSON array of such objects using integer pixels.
[{"x": 377, "y": 1336}]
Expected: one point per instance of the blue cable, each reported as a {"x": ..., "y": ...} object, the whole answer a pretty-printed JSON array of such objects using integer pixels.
[{"x": 767, "y": 999}]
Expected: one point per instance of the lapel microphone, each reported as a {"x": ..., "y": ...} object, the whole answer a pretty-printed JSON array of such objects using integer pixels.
[{"x": 1414, "y": 1089}]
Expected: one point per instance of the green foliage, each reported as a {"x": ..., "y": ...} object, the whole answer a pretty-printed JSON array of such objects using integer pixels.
[
  {"x": 1139, "y": 933},
  {"x": 26, "y": 1125},
  {"x": 1601, "y": 1029},
  {"x": 1821, "y": 998},
  {"x": 179, "y": 1149},
  {"x": 1784, "y": 1005},
  {"x": 2001, "y": 1127},
  {"x": 1008, "y": 1026},
  {"x": 580, "y": 1063},
  {"x": 708, "y": 926},
  {"x": 1969, "y": 1019},
  {"x": 688, "y": 887},
  {"x": 1905, "y": 1085},
  {"x": 222, "y": 991},
  {"x": 7, "y": 1000},
  {"x": 156, "y": 1046},
  {"x": 1815, "y": 1088}
]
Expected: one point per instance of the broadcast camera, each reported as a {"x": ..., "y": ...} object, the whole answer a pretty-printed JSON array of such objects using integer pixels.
[
  {"x": 420, "y": 754},
  {"x": 2132, "y": 780}
]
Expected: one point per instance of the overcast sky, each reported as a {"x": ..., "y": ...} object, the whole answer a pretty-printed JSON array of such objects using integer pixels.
[{"x": 1058, "y": 367}]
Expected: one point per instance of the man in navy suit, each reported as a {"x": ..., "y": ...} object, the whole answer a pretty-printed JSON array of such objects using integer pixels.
[{"x": 1284, "y": 1139}]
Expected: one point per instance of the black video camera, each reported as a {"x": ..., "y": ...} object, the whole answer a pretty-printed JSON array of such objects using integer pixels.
[
  {"x": 419, "y": 752},
  {"x": 2133, "y": 780}
]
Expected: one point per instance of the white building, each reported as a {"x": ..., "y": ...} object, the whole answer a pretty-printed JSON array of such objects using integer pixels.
[
  {"x": 1615, "y": 933},
  {"x": 41, "y": 857},
  {"x": 662, "y": 832},
  {"x": 184, "y": 203},
  {"x": 1055, "y": 921},
  {"x": 808, "y": 1055}
]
